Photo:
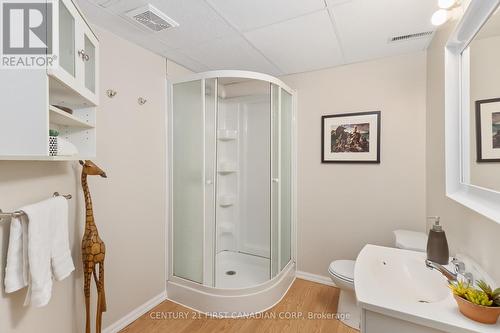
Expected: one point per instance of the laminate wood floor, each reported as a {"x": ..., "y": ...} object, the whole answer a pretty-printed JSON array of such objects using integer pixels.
[{"x": 304, "y": 300}]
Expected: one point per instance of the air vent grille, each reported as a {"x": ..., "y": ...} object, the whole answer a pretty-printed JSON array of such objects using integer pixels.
[
  {"x": 152, "y": 18},
  {"x": 404, "y": 38}
]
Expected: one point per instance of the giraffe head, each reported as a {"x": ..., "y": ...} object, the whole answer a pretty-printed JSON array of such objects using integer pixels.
[{"x": 89, "y": 168}]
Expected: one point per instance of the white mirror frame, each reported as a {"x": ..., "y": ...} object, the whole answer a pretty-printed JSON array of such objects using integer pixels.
[{"x": 457, "y": 113}]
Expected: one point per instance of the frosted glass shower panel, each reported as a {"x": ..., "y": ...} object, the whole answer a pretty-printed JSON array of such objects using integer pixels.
[
  {"x": 285, "y": 178},
  {"x": 275, "y": 188},
  {"x": 188, "y": 176}
]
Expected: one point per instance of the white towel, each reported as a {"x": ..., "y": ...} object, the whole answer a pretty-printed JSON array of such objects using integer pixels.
[
  {"x": 16, "y": 270},
  {"x": 48, "y": 252}
]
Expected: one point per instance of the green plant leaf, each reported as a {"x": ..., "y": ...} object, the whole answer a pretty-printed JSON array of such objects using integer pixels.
[{"x": 484, "y": 287}]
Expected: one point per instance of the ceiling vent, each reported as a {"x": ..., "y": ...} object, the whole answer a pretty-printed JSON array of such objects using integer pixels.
[
  {"x": 404, "y": 38},
  {"x": 152, "y": 18}
]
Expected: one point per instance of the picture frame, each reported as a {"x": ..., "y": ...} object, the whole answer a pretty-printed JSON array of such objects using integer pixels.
[
  {"x": 351, "y": 137},
  {"x": 488, "y": 130}
]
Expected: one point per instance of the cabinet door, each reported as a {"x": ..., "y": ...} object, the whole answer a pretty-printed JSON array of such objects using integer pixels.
[
  {"x": 87, "y": 61},
  {"x": 78, "y": 53},
  {"x": 66, "y": 33},
  {"x": 90, "y": 46},
  {"x": 65, "y": 43}
]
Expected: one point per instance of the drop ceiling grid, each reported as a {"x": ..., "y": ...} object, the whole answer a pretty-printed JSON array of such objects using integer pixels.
[
  {"x": 300, "y": 44},
  {"x": 122, "y": 26},
  {"x": 277, "y": 69},
  {"x": 198, "y": 21},
  {"x": 232, "y": 53},
  {"x": 364, "y": 27},
  {"x": 247, "y": 15},
  {"x": 272, "y": 36}
]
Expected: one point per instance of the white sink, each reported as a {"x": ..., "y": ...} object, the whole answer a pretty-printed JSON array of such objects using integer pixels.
[{"x": 397, "y": 283}]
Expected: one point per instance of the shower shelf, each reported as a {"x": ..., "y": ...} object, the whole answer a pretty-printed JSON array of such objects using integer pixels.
[
  {"x": 227, "y": 134},
  {"x": 226, "y": 168},
  {"x": 226, "y": 200}
]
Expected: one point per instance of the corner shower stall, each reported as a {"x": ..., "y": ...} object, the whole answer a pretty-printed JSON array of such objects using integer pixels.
[{"x": 232, "y": 191}]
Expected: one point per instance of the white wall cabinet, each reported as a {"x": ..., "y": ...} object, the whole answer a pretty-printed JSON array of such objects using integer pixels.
[
  {"x": 29, "y": 97},
  {"x": 77, "y": 47}
]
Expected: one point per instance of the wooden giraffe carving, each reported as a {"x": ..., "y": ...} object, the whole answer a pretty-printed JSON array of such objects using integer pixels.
[{"x": 93, "y": 250}]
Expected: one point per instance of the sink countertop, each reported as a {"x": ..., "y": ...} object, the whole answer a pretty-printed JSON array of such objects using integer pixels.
[{"x": 397, "y": 283}]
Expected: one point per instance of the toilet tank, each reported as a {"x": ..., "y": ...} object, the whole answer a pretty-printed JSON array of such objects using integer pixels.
[{"x": 410, "y": 240}]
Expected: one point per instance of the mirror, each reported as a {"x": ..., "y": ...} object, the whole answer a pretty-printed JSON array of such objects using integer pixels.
[
  {"x": 481, "y": 158},
  {"x": 472, "y": 74}
]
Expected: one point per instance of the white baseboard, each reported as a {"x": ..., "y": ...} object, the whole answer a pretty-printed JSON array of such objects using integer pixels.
[
  {"x": 135, "y": 314},
  {"x": 314, "y": 278}
]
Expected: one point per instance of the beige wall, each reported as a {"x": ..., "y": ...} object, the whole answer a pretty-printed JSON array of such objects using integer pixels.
[
  {"x": 468, "y": 232},
  {"x": 129, "y": 205},
  {"x": 342, "y": 207},
  {"x": 175, "y": 71}
]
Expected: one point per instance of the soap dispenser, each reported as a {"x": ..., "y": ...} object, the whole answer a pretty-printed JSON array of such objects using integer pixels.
[{"x": 437, "y": 245}]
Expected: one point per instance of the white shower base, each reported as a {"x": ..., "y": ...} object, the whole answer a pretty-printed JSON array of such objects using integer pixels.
[
  {"x": 231, "y": 302},
  {"x": 249, "y": 270}
]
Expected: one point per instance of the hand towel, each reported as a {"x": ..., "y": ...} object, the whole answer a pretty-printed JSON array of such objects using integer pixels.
[
  {"x": 16, "y": 269},
  {"x": 48, "y": 248},
  {"x": 44, "y": 253},
  {"x": 61, "y": 260}
]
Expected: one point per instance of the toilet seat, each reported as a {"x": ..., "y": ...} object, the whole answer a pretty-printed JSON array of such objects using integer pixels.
[{"x": 343, "y": 270}]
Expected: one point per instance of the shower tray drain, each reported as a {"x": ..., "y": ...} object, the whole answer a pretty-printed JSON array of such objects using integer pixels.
[{"x": 231, "y": 273}]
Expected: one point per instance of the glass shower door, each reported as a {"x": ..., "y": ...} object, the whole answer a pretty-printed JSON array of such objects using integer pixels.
[
  {"x": 281, "y": 179},
  {"x": 193, "y": 179},
  {"x": 275, "y": 179},
  {"x": 285, "y": 178},
  {"x": 187, "y": 180}
]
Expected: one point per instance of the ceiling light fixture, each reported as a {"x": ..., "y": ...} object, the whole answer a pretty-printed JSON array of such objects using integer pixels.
[{"x": 442, "y": 15}]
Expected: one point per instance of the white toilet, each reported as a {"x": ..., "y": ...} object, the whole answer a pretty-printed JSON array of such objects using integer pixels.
[{"x": 342, "y": 274}]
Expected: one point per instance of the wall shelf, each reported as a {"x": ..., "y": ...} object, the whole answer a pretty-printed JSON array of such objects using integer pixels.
[
  {"x": 227, "y": 168},
  {"x": 72, "y": 81},
  {"x": 60, "y": 117}
]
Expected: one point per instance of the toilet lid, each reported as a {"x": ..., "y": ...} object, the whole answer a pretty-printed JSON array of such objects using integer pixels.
[{"x": 343, "y": 269}]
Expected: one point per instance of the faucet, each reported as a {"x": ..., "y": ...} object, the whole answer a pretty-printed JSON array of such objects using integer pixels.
[{"x": 452, "y": 276}]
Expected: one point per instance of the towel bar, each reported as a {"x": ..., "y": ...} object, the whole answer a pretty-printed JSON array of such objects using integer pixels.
[{"x": 20, "y": 213}]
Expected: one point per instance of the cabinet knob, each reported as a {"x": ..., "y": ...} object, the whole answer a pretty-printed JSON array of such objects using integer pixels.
[
  {"x": 209, "y": 182},
  {"x": 83, "y": 55},
  {"x": 275, "y": 180}
]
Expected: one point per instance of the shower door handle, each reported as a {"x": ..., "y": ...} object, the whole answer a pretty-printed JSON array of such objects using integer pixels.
[{"x": 275, "y": 180}]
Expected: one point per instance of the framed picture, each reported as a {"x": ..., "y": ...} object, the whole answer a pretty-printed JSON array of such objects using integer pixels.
[
  {"x": 488, "y": 130},
  {"x": 351, "y": 138}
]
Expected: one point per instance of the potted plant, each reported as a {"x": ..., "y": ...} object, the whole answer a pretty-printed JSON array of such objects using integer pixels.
[{"x": 481, "y": 304}]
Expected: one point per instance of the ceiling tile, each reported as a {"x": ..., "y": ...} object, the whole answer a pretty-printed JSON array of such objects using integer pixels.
[
  {"x": 231, "y": 53},
  {"x": 119, "y": 26},
  {"x": 365, "y": 26},
  {"x": 198, "y": 22},
  {"x": 247, "y": 15},
  {"x": 301, "y": 44},
  {"x": 291, "y": 35},
  {"x": 133, "y": 33}
]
